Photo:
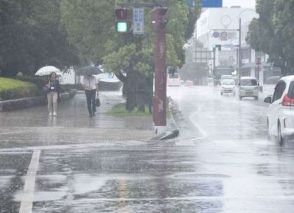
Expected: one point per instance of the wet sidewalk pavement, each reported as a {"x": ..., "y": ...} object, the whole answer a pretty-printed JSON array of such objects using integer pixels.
[{"x": 33, "y": 127}]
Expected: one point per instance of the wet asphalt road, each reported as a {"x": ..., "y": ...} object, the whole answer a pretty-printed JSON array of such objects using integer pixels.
[{"x": 221, "y": 163}]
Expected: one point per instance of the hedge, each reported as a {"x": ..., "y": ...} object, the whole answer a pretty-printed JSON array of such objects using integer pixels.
[
  {"x": 14, "y": 89},
  {"x": 38, "y": 81}
]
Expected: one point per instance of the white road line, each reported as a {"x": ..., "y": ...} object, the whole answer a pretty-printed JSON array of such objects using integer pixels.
[
  {"x": 9, "y": 133},
  {"x": 26, "y": 205},
  {"x": 73, "y": 146},
  {"x": 198, "y": 198}
]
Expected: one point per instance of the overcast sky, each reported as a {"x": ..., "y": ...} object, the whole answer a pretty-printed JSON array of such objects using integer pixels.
[{"x": 242, "y": 3}]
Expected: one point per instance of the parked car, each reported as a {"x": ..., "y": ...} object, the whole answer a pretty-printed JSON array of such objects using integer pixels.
[
  {"x": 189, "y": 83},
  {"x": 280, "y": 116},
  {"x": 173, "y": 79},
  {"x": 248, "y": 87},
  {"x": 228, "y": 87}
]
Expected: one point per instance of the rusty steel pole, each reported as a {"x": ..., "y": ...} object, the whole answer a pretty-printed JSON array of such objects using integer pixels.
[{"x": 159, "y": 99}]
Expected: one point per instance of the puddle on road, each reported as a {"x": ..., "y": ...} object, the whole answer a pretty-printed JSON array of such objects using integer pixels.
[{"x": 84, "y": 184}]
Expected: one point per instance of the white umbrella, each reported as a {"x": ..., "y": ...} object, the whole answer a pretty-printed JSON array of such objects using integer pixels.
[{"x": 47, "y": 70}]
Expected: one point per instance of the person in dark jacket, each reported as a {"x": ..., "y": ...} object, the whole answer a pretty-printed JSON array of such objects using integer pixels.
[{"x": 53, "y": 94}]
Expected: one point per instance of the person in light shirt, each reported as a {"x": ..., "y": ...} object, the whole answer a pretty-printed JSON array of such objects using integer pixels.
[
  {"x": 53, "y": 94},
  {"x": 90, "y": 84}
]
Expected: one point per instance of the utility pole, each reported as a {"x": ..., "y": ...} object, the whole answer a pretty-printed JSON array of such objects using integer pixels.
[
  {"x": 240, "y": 50},
  {"x": 159, "y": 23},
  {"x": 214, "y": 59},
  {"x": 258, "y": 66},
  {"x": 159, "y": 100},
  {"x": 213, "y": 65}
]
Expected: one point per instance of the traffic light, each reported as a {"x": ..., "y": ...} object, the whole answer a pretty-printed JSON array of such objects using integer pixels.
[
  {"x": 122, "y": 20},
  {"x": 218, "y": 46}
]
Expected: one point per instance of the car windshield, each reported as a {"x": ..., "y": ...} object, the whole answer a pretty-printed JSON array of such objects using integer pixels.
[
  {"x": 174, "y": 75},
  {"x": 248, "y": 82},
  {"x": 228, "y": 82},
  {"x": 226, "y": 77}
]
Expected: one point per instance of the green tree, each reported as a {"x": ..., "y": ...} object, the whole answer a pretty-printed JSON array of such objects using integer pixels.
[
  {"x": 90, "y": 26},
  {"x": 32, "y": 36},
  {"x": 273, "y": 32}
]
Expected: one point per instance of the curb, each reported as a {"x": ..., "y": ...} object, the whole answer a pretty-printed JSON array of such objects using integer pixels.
[
  {"x": 29, "y": 102},
  {"x": 172, "y": 130}
]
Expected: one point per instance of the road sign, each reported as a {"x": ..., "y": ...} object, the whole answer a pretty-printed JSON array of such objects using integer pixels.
[
  {"x": 212, "y": 3},
  {"x": 138, "y": 20},
  {"x": 215, "y": 34},
  {"x": 224, "y": 36}
]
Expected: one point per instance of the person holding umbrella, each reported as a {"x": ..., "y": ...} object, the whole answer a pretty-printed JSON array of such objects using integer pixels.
[
  {"x": 52, "y": 88},
  {"x": 90, "y": 84},
  {"x": 53, "y": 94}
]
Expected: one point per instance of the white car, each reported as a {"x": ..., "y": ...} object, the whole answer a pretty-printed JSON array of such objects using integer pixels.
[
  {"x": 225, "y": 77},
  {"x": 280, "y": 116},
  {"x": 248, "y": 87},
  {"x": 228, "y": 87},
  {"x": 173, "y": 80}
]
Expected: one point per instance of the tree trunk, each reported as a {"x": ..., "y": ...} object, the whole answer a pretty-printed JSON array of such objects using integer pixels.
[{"x": 138, "y": 91}]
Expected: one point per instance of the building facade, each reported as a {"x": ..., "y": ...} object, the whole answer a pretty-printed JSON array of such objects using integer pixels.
[{"x": 219, "y": 27}]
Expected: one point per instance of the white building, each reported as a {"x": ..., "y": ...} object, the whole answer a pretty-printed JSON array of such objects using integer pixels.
[{"x": 220, "y": 26}]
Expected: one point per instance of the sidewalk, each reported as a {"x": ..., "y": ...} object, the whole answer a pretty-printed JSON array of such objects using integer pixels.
[{"x": 33, "y": 126}]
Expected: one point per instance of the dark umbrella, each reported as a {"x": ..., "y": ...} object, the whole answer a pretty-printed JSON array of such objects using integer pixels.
[{"x": 89, "y": 70}]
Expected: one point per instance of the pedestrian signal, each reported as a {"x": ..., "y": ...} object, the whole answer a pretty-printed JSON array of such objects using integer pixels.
[{"x": 219, "y": 47}]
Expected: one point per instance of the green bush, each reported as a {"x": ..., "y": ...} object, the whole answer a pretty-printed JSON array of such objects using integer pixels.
[
  {"x": 38, "y": 81},
  {"x": 14, "y": 89}
]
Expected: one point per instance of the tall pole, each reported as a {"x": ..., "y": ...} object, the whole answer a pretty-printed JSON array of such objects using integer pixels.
[
  {"x": 159, "y": 100},
  {"x": 240, "y": 50},
  {"x": 213, "y": 67},
  {"x": 213, "y": 59}
]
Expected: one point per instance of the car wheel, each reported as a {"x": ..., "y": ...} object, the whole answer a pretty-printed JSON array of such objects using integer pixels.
[
  {"x": 221, "y": 93},
  {"x": 256, "y": 97},
  {"x": 280, "y": 136},
  {"x": 240, "y": 97}
]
